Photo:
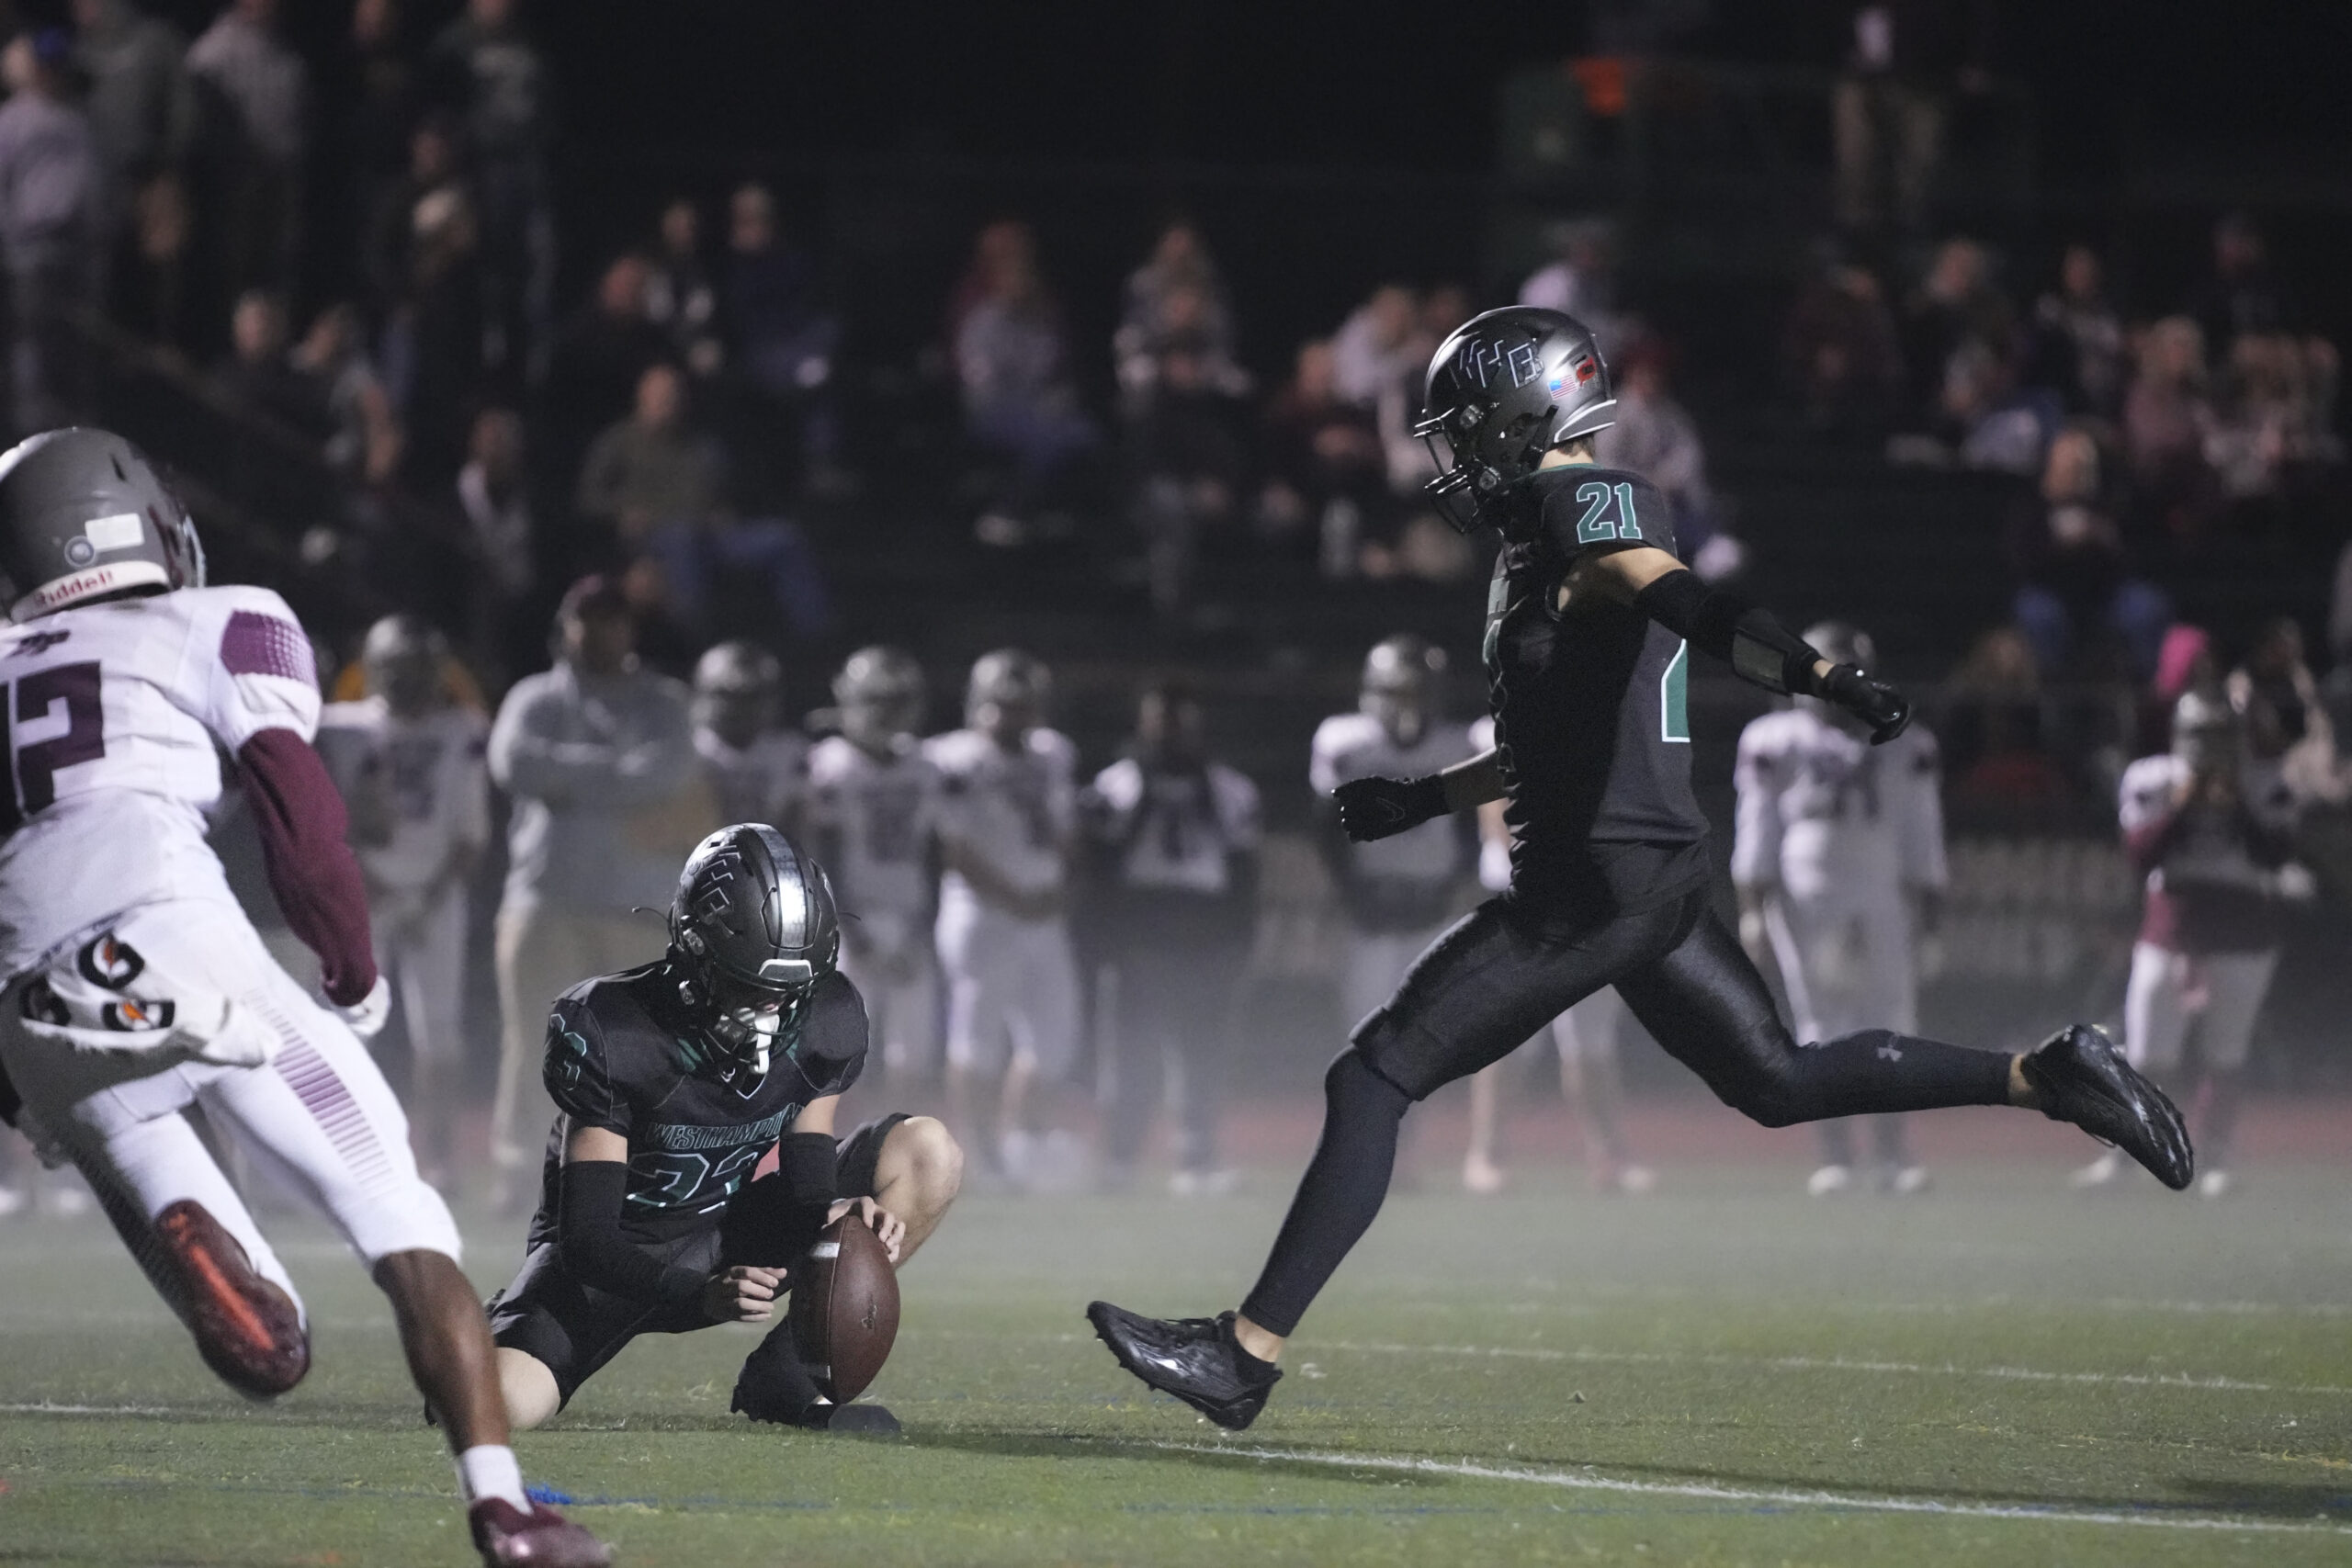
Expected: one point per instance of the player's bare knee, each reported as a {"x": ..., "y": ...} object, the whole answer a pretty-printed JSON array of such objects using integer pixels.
[
  {"x": 528, "y": 1389},
  {"x": 924, "y": 1155}
]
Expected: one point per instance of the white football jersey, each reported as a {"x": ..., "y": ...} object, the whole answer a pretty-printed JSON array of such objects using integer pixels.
[
  {"x": 1014, "y": 809},
  {"x": 1179, "y": 830},
  {"x": 759, "y": 782},
  {"x": 875, "y": 818},
  {"x": 1824, "y": 815},
  {"x": 116, "y": 717},
  {"x": 417, "y": 789},
  {"x": 1353, "y": 746}
]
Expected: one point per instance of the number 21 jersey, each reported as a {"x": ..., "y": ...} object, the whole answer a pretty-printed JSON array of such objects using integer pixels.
[{"x": 116, "y": 716}]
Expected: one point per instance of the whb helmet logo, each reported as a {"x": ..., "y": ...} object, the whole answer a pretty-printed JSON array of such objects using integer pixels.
[
  {"x": 108, "y": 963},
  {"x": 1481, "y": 362}
]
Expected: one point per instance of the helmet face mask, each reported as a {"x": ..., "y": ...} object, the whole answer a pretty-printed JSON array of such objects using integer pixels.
[{"x": 1506, "y": 388}]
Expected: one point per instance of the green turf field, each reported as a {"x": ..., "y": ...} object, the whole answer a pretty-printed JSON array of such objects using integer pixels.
[{"x": 1725, "y": 1373}]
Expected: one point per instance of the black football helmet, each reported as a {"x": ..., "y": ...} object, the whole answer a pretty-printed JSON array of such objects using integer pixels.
[
  {"x": 753, "y": 929},
  {"x": 83, "y": 516},
  {"x": 1505, "y": 389}
]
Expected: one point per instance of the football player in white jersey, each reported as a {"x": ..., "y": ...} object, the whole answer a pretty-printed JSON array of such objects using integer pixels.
[
  {"x": 1837, "y": 857},
  {"x": 1398, "y": 893},
  {"x": 2212, "y": 831},
  {"x": 137, "y": 988},
  {"x": 754, "y": 764},
  {"x": 1586, "y": 1037},
  {"x": 1008, "y": 817},
  {"x": 409, "y": 762},
  {"x": 869, "y": 814}
]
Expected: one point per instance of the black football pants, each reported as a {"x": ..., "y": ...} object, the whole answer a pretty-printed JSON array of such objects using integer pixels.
[{"x": 1497, "y": 978}]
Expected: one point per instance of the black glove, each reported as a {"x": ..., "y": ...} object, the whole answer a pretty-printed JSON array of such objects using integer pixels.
[
  {"x": 1380, "y": 809},
  {"x": 1876, "y": 703}
]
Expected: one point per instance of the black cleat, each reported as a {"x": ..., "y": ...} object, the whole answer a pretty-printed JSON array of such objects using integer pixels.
[
  {"x": 1195, "y": 1359},
  {"x": 786, "y": 1407},
  {"x": 2083, "y": 1079}
]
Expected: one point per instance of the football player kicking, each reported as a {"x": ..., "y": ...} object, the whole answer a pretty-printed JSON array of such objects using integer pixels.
[
  {"x": 672, "y": 1080},
  {"x": 137, "y": 988},
  {"x": 1589, "y": 623}
]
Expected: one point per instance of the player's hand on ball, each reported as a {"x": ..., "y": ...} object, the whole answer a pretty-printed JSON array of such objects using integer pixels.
[
  {"x": 1876, "y": 703},
  {"x": 887, "y": 1227},
  {"x": 1378, "y": 809},
  {"x": 742, "y": 1294}
]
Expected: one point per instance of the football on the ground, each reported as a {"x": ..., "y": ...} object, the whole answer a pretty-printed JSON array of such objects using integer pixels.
[{"x": 845, "y": 1308}]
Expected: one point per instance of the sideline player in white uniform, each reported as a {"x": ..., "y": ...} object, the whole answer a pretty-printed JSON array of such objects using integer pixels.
[
  {"x": 2212, "y": 830},
  {"x": 869, "y": 815},
  {"x": 1838, "y": 855},
  {"x": 1400, "y": 893},
  {"x": 755, "y": 765},
  {"x": 1008, "y": 819},
  {"x": 1586, "y": 1037},
  {"x": 137, "y": 988},
  {"x": 409, "y": 761}
]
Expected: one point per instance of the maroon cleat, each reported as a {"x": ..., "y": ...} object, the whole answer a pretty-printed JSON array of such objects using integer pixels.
[
  {"x": 247, "y": 1329},
  {"x": 508, "y": 1538}
]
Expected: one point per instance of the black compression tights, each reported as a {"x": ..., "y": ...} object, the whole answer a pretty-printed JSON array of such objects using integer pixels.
[{"x": 1485, "y": 987}]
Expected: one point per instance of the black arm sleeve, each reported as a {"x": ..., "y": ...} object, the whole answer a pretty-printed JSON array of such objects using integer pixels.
[
  {"x": 594, "y": 1252},
  {"x": 1746, "y": 637}
]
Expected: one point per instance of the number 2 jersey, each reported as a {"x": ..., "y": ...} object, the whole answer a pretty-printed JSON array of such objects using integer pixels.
[
  {"x": 1591, "y": 718},
  {"x": 623, "y": 1055},
  {"x": 117, "y": 717}
]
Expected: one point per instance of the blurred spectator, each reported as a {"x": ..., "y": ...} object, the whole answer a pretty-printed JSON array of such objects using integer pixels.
[
  {"x": 755, "y": 768},
  {"x": 781, "y": 341},
  {"x": 1175, "y": 835},
  {"x": 598, "y": 757},
  {"x": 378, "y": 98},
  {"x": 2166, "y": 418},
  {"x": 1373, "y": 350},
  {"x": 49, "y": 228},
  {"x": 256, "y": 372},
  {"x": 1841, "y": 351},
  {"x": 1993, "y": 731},
  {"x": 1012, "y": 355},
  {"x": 409, "y": 763},
  {"x": 364, "y": 438},
  {"x": 389, "y": 238},
  {"x": 2288, "y": 731},
  {"x": 1956, "y": 304},
  {"x": 1656, "y": 438},
  {"x": 1411, "y": 464},
  {"x": 496, "y": 502},
  {"x": 2079, "y": 338},
  {"x": 1178, "y": 294},
  {"x": 2076, "y": 590},
  {"x": 1581, "y": 280},
  {"x": 598, "y": 360},
  {"x": 1903, "y": 62},
  {"x": 140, "y": 101},
  {"x": 1994, "y": 422},
  {"x": 2243, "y": 294},
  {"x": 149, "y": 278},
  {"x": 681, "y": 296},
  {"x": 255, "y": 135},
  {"x": 2275, "y": 417},
  {"x": 652, "y": 471},
  {"x": 486, "y": 70},
  {"x": 431, "y": 278},
  {"x": 1189, "y": 465},
  {"x": 1325, "y": 465}
]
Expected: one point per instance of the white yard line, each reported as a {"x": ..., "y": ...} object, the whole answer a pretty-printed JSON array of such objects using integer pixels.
[{"x": 1772, "y": 1496}]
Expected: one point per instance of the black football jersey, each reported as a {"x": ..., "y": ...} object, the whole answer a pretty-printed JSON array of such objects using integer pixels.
[
  {"x": 1590, "y": 703},
  {"x": 622, "y": 1054}
]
